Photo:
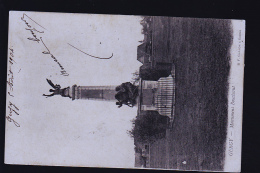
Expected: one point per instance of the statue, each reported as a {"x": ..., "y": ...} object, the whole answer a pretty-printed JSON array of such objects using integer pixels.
[
  {"x": 126, "y": 94},
  {"x": 57, "y": 90}
]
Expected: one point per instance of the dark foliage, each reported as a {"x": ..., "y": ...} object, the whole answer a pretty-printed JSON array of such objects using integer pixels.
[
  {"x": 199, "y": 48},
  {"x": 146, "y": 23},
  {"x": 148, "y": 73},
  {"x": 148, "y": 125}
]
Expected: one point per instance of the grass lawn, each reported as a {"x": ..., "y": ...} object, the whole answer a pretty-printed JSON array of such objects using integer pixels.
[{"x": 199, "y": 48}]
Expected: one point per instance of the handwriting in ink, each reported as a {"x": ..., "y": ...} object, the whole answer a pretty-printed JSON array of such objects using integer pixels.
[
  {"x": 12, "y": 120},
  {"x": 10, "y": 94},
  {"x": 13, "y": 109},
  {"x": 63, "y": 71},
  {"x": 32, "y": 30},
  {"x": 10, "y": 74},
  {"x": 11, "y": 60},
  {"x": 10, "y": 80},
  {"x": 39, "y": 39},
  {"x": 89, "y": 54}
]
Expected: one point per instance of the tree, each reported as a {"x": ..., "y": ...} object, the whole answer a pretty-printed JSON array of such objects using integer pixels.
[
  {"x": 146, "y": 22},
  {"x": 149, "y": 73},
  {"x": 148, "y": 125}
]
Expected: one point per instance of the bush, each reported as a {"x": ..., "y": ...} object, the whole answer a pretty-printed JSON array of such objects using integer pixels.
[
  {"x": 148, "y": 125},
  {"x": 148, "y": 73}
]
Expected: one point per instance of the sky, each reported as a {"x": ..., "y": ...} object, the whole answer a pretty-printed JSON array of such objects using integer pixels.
[{"x": 56, "y": 130}]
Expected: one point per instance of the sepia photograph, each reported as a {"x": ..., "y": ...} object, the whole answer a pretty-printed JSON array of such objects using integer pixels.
[{"x": 124, "y": 91}]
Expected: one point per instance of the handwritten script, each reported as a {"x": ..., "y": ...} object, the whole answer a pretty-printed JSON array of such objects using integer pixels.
[
  {"x": 63, "y": 71},
  {"x": 13, "y": 109},
  {"x": 34, "y": 37},
  {"x": 89, "y": 54}
]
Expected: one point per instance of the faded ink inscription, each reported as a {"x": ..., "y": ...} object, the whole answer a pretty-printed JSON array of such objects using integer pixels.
[
  {"x": 13, "y": 110},
  {"x": 25, "y": 18}
]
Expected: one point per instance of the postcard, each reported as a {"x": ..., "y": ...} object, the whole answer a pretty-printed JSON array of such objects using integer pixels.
[{"x": 124, "y": 91}]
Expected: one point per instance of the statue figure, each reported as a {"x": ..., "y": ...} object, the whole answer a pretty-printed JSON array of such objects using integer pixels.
[
  {"x": 56, "y": 90},
  {"x": 123, "y": 98},
  {"x": 126, "y": 94}
]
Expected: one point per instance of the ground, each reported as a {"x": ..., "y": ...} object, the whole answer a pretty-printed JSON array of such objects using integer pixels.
[{"x": 199, "y": 48}]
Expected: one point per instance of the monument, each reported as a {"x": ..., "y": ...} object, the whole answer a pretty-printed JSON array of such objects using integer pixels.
[{"x": 126, "y": 93}]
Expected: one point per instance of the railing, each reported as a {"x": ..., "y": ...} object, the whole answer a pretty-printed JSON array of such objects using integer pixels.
[{"x": 165, "y": 96}]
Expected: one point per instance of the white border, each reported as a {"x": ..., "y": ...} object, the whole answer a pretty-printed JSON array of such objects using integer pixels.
[{"x": 235, "y": 99}]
